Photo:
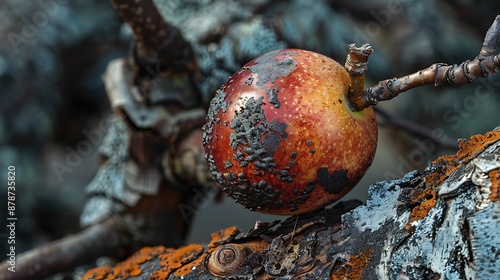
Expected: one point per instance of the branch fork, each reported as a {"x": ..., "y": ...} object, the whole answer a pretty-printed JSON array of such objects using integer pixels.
[{"x": 438, "y": 74}]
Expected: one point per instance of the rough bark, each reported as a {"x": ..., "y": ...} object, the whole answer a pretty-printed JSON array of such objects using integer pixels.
[{"x": 442, "y": 223}]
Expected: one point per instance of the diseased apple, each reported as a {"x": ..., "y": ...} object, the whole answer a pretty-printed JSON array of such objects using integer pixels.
[{"x": 281, "y": 137}]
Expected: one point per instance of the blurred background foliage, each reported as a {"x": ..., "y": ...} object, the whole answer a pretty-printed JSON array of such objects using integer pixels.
[{"x": 53, "y": 53}]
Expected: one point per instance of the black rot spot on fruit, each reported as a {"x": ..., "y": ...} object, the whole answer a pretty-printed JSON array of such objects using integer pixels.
[
  {"x": 332, "y": 183},
  {"x": 271, "y": 143},
  {"x": 269, "y": 68},
  {"x": 249, "y": 81},
  {"x": 272, "y": 95}
]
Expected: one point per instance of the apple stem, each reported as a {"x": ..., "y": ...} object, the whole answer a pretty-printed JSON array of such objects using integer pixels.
[
  {"x": 356, "y": 65},
  {"x": 439, "y": 74}
]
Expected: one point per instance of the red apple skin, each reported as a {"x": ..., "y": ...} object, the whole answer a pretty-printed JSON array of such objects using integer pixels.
[{"x": 280, "y": 137}]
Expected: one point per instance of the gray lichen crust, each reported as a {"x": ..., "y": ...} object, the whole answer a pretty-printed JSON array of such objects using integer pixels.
[
  {"x": 405, "y": 230},
  {"x": 455, "y": 240},
  {"x": 120, "y": 182},
  {"x": 109, "y": 180}
]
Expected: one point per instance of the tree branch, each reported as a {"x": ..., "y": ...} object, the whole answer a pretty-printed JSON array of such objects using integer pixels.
[
  {"x": 157, "y": 42},
  {"x": 64, "y": 254},
  {"x": 439, "y": 74},
  {"x": 440, "y": 224}
]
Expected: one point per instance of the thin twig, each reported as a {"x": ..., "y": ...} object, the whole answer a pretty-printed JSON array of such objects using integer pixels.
[
  {"x": 440, "y": 74},
  {"x": 415, "y": 129}
]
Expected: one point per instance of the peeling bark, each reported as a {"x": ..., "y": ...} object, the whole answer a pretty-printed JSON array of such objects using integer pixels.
[{"x": 442, "y": 223}]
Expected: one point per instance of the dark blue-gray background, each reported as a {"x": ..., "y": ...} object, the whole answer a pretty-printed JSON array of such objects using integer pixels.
[{"x": 53, "y": 53}]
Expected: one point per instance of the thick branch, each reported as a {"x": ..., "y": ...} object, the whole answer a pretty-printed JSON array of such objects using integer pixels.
[
  {"x": 64, "y": 254},
  {"x": 440, "y": 74},
  {"x": 157, "y": 42},
  {"x": 439, "y": 224}
]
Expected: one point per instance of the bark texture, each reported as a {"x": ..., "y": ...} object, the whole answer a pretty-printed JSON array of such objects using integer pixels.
[{"x": 442, "y": 223}]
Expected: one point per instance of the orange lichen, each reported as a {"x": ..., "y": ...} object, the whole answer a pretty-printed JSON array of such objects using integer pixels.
[
  {"x": 354, "y": 268},
  {"x": 223, "y": 235},
  {"x": 476, "y": 144},
  {"x": 129, "y": 267},
  {"x": 176, "y": 259},
  {"x": 169, "y": 260},
  {"x": 495, "y": 185},
  {"x": 188, "y": 267},
  {"x": 425, "y": 201},
  {"x": 98, "y": 273},
  {"x": 217, "y": 238},
  {"x": 445, "y": 165}
]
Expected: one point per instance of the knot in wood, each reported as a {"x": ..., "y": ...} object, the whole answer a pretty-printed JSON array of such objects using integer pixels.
[
  {"x": 226, "y": 256},
  {"x": 227, "y": 259}
]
